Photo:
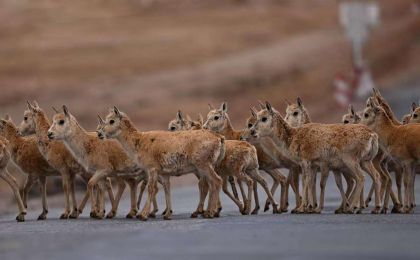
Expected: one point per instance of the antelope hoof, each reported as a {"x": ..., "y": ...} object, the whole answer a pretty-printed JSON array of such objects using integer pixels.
[
  {"x": 195, "y": 214},
  {"x": 74, "y": 214},
  {"x": 317, "y": 210},
  {"x": 275, "y": 209},
  {"x": 339, "y": 211},
  {"x": 384, "y": 210},
  {"x": 21, "y": 217},
  {"x": 208, "y": 214},
  {"x": 267, "y": 206},
  {"x": 397, "y": 209},
  {"x": 246, "y": 210},
  {"x": 367, "y": 202},
  {"x": 359, "y": 211},
  {"x": 217, "y": 214},
  {"x": 409, "y": 211},
  {"x": 376, "y": 210},
  {"x": 349, "y": 211},
  {"x": 167, "y": 217},
  {"x": 219, "y": 210},
  {"x": 164, "y": 212},
  {"x": 100, "y": 215},
  {"x": 255, "y": 211},
  {"x": 111, "y": 214},
  {"x": 64, "y": 216},
  {"x": 132, "y": 214},
  {"x": 42, "y": 217},
  {"x": 152, "y": 215},
  {"x": 299, "y": 210},
  {"x": 142, "y": 217}
]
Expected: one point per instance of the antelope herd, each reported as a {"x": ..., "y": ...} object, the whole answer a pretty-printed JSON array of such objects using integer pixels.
[{"x": 372, "y": 141}]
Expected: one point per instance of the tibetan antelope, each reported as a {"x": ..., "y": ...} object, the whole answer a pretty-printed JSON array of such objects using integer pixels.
[
  {"x": 9, "y": 179},
  {"x": 99, "y": 157},
  {"x": 25, "y": 154},
  {"x": 170, "y": 154},
  {"x": 240, "y": 158},
  {"x": 218, "y": 121},
  {"x": 401, "y": 142},
  {"x": 325, "y": 146}
]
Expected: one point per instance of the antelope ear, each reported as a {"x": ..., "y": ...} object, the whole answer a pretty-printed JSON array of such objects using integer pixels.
[
  {"x": 210, "y": 106},
  {"x": 262, "y": 105},
  {"x": 351, "y": 110},
  {"x": 101, "y": 121},
  {"x": 413, "y": 106},
  {"x": 55, "y": 110},
  {"x": 269, "y": 107},
  {"x": 287, "y": 102},
  {"x": 189, "y": 118},
  {"x": 223, "y": 107},
  {"x": 35, "y": 104},
  {"x": 7, "y": 117},
  {"x": 29, "y": 105},
  {"x": 66, "y": 111},
  {"x": 179, "y": 115},
  {"x": 117, "y": 112},
  {"x": 253, "y": 112},
  {"x": 299, "y": 101}
]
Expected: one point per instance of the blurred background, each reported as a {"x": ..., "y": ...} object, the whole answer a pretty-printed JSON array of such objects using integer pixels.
[{"x": 153, "y": 57}]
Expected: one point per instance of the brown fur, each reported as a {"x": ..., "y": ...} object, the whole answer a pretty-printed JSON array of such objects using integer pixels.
[
  {"x": 9, "y": 179},
  {"x": 401, "y": 142},
  {"x": 102, "y": 158},
  {"x": 25, "y": 154},
  {"x": 219, "y": 122},
  {"x": 169, "y": 153},
  {"x": 323, "y": 145}
]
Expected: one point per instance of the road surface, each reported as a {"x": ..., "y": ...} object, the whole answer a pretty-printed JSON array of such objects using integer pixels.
[{"x": 265, "y": 236}]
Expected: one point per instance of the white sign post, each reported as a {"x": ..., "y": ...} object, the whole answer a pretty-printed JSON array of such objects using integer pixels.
[{"x": 358, "y": 18}]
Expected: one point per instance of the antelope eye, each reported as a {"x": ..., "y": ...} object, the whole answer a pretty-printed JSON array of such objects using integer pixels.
[
  {"x": 346, "y": 121},
  {"x": 111, "y": 122},
  {"x": 61, "y": 122},
  {"x": 366, "y": 115},
  {"x": 264, "y": 119},
  {"x": 216, "y": 118},
  {"x": 172, "y": 128},
  {"x": 25, "y": 118},
  {"x": 249, "y": 125},
  {"x": 295, "y": 113}
]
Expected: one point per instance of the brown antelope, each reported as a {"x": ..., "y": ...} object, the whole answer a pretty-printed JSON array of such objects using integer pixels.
[
  {"x": 178, "y": 124},
  {"x": 9, "y": 179},
  {"x": 325, "y": 146},
  {"x": 58, "y": 158},
  {"x": 219, "y": 122},
  {"x": 270, "y": 161},
  {"x": 99, "y": 157},
  {"x": 56, "y": 154},
  {"x": 239, "y": 161},
  {"x": 382, "y": 165},
  {"x": 401, "y": 142},
  {"x": 133, "y": 182},
  {"x": 170, "y": 154},
  {"x": 296, "y": 116},
  {"x": 25, "y": 154}
]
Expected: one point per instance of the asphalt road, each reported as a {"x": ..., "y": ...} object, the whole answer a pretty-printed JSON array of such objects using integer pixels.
[{"x": 232, "y": 236}]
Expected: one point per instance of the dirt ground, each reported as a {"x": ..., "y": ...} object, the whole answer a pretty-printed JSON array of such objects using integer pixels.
[{"x": 151, "y": 58}]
